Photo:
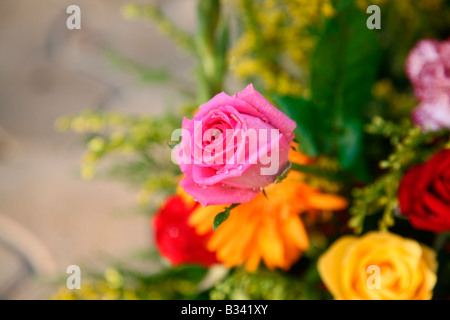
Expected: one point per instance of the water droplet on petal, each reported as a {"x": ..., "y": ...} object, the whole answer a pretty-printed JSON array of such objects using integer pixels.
[
  {"x": 225, "y": 171},
  {"x": 239, "y": 167},
  {"x": 204, "y": 187},
  {"x": 174, "y": 232}
]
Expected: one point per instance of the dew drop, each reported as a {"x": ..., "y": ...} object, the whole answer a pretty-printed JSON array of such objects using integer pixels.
[
  {"x": 174, "y": 232},
  {"x": 225, "y": 171},
  {"x": 239, "y": 167},
  {"x": 204, "y": 187}
]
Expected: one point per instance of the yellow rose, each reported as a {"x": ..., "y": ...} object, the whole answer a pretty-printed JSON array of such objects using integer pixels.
[{"x": 378, "y": 266}]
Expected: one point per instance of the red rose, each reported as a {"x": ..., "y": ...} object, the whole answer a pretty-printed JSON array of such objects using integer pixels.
[
  {"x": 424, "y": 194},
  {"x": 176, "y": 240}
]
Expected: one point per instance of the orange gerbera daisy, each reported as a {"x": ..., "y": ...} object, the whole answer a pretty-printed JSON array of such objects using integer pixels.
[{"x": 266, "y": 228}]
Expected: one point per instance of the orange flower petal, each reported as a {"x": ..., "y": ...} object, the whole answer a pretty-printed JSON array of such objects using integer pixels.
[
  {"x": 253, "y": 261},
  {"x": 270, "y": 244},
  {"x": 323, "y": 201},
  {"x": 295, "y": 230}
]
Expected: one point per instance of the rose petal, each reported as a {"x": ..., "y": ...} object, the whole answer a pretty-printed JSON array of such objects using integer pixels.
[
  {"x": 273, "y": 115},
  {"x": 436, "y": 206},
  {"x": 207, "y": 176},
  {"x": 254, "y": 176},
  {"x": 442, "y": 189},
  {"x": 331, "y": 263},
  {"x": 407, "y": 189},
  {"x": 429, "y": 223},
  {"x": 221, "y": 100},
  {"x": 222, "y": 194}
]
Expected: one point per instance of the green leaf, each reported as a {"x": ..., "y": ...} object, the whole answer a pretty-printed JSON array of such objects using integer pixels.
[
  {"x": 330, "y": 175},
  {"x": 264, "y": 193},
  {"x": 351, "y": 152},
  {"x": 283, "y": 175},
  {"x": 223, "y": 216},
  {"x": 308, "y": 129},
  {"x": 343, "y": 70}
]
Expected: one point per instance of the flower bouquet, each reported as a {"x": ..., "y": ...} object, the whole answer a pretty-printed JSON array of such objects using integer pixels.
[{"x": 326, "y": 174}]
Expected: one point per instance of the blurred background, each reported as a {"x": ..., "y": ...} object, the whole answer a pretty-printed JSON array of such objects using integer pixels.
[{"x": 49, "y": 217}]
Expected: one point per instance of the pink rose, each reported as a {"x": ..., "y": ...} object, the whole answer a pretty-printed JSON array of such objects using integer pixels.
[
  {"x": 428, "y": 68},
  {"x": 233, "y": 147}
]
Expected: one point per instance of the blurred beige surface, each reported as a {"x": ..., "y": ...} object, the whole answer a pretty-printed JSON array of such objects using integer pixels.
[{"x": 47, "y": 71}]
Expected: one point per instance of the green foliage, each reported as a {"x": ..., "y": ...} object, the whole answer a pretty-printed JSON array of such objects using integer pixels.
[
  {"x": 305, "y": 115},
  {"x": 261, "y": 285},
  {"x": 268, "y": 285},
  {"x": 125, "y": 283},
  {"x": 223, "y": 216},
  {"x": 343, "y": 70},
  {"x": 283, "y": 175},
  {"x": 211, "y": 41},
  {"x": 134, "y": 142},
  {"x": 336, "y": 176},
  {"x": 441, "y": 291},
  {"x": 411, "y": 147}
]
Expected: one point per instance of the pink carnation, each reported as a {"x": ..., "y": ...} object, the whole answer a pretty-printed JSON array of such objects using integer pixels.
[
  {"x": 428, "y": 68},
  {"x": 233, "y": 147}
]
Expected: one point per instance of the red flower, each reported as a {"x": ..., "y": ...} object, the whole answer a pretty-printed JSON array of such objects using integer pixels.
[
  {"x": 176, "y": 240},
  {"x": 424, "y": 194}
]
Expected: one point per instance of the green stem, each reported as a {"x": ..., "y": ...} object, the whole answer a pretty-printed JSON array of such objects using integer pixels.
[
  {"x": 330, "y": 175},
  {"x": 439, "y": 240},
  {"x": 211, "y": 44}
]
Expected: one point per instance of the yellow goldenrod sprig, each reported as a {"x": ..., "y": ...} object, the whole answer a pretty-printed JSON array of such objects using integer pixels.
[{"x": 410, "y": 146}]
